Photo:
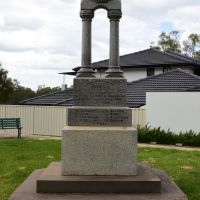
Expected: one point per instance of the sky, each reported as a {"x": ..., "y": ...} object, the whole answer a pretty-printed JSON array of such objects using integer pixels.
[{"x": 41, "y": 38}]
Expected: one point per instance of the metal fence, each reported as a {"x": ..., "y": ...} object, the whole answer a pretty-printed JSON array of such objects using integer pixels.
[
  {"x": 139, "y": 117},
  {"x": 49, "y": 120}
]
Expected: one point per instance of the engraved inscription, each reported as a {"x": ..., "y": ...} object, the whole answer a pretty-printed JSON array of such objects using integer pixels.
[
  {"x": 100, "y": 93},
  {"x": 103, "y": 117}
]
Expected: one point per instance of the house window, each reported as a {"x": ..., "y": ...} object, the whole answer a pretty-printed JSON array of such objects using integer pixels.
[
  {"x": 197, "y": 72},
  {"x": 150, "y": 71},
  {"x": 166, "y": 69}
]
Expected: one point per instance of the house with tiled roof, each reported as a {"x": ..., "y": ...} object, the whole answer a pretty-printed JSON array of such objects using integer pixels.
[
  {"x": 146, "y": 71},
  {"x": 177, "y": 80},
  {"x": 147, "y": 63},
  {"x": 165, "y": 85}
]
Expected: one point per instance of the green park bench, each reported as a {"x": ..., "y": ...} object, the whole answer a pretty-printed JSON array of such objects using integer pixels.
[{"x": 11, "y": 123}]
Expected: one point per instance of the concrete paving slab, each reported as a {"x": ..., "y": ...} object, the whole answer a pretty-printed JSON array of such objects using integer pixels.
[{"x": 27, "y": 191}]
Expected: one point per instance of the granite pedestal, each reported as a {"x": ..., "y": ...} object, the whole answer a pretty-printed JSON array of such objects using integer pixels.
[
  {"x": 99, "y": 138},
  {"x": 99, "y": 150},
  {"x": 100, "y": 92},
  {"x": 51, "y": 181},
  {"x": 99, "y": 145},
  {"x": 27, "y": 191}
]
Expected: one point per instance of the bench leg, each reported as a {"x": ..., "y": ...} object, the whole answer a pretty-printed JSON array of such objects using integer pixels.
[{"x": 19, "y": 133}]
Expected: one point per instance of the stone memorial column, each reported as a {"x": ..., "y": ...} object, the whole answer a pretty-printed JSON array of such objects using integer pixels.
[
  {"x": 99, "y": 139},
  {"x": 86, "y": 69},
  {"x": 99, "y": 144},
  {"x": 114, "y": 63}
]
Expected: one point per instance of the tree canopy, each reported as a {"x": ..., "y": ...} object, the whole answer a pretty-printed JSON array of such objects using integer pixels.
[
  {"x": 171, "y": 42},
  {"x": 11, "y": 92},
  {"x": 191, "y": 46},
  {"x": 42, "y": 90},
  {"x": 6, "y": 85}
]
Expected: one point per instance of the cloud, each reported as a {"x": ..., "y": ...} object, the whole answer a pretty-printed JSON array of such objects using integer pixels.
[
  {"x": 40, "y": 38},
  {"x": 185, "y": 18},
  {"x": 17, "y": 23}
]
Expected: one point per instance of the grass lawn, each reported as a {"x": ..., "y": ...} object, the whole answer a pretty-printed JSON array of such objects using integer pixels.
[{"x": 18, "y": 158}]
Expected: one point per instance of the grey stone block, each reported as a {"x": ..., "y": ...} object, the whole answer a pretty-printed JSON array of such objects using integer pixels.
[
  {"x": 97, "y": 116},
  {"x": 100, "y": 92},
  {"x": 51, "y": 181},
  {"x": 99, "y": 150},
  {"x": 27, "y": 191},
  {"x": 94, "y": 4}
]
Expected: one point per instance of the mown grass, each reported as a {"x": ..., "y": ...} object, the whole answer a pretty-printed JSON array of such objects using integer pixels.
[
  {"x": 18, "y": 158},
  {"x": 182, "y": 166}
]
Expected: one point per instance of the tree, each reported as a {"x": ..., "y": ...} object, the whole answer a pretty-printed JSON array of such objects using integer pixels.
[
  {"x": 42, "y": 90},
  {"x": 171, "y": 42},
  {"x": 11, "y": 92},
  {"x": 20, "y": 93},
  {"x": 6, "y": 85},
  {"x": 168, "y": 42},
  {"x": 191, "y": 46}
]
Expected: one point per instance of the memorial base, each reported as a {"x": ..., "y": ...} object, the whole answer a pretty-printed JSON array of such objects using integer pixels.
[
  {"x": 99, "y": 151},
  {"x": 27, "y": 191},
  {"x": 51, "y": 181}
]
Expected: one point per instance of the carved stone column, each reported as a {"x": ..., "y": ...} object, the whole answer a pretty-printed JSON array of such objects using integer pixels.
[
  {"x": 114, "y": 63},
  {"x": 86, "y": 69}
]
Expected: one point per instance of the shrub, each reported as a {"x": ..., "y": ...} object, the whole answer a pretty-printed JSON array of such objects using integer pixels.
[{"x": 147, "y": 134}]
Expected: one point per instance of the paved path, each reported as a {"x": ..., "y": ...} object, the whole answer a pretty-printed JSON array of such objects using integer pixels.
[
  {"x": 39, "y": 137},
  {"x": 28, "y": 136},
  {"x": 170, "y": 147}
]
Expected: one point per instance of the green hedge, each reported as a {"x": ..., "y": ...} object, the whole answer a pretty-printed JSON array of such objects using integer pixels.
[{"x": 160, "y": 136}]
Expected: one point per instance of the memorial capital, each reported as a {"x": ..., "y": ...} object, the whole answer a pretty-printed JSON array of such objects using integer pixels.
[
  {"x": 87, "y": 14},
  {"x": 88, "y": 7},
  {"x": 101, "y": 1},
  {"x": 96, "y": 4},
  {"x": 114, "y": 14}
]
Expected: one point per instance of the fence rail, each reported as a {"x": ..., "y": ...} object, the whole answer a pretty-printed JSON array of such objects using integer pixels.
[{"x": 49, "y": 120}]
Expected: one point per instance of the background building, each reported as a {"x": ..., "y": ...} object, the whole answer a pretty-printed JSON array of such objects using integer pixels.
[{"x": 146, "y": 63}]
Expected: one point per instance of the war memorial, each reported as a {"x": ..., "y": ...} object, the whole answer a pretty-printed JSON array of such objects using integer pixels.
[{"x": 99, "y": 144}]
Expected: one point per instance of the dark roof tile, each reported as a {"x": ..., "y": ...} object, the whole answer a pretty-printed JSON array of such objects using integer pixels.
[
  {"x": 174, "y": 81},
  {"x": 149, "y": 57}
]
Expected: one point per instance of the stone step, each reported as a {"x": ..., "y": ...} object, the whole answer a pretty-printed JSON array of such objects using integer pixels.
[{"x": 51, "y": 181}]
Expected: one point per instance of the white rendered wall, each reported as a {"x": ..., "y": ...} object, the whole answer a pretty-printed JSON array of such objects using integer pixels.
[
  {"x": 189, "y": 69},
  {"x": 158, "y": 71},
  {"x": 135, "y": 74},
  {"x": 129, "y": 74},
  {"x": 100, "y": 74},
  {"x": 177, "y": 111}
]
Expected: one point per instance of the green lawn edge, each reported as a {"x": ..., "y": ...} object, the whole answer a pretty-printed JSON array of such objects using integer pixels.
[{"x": 19, "y": 158}]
